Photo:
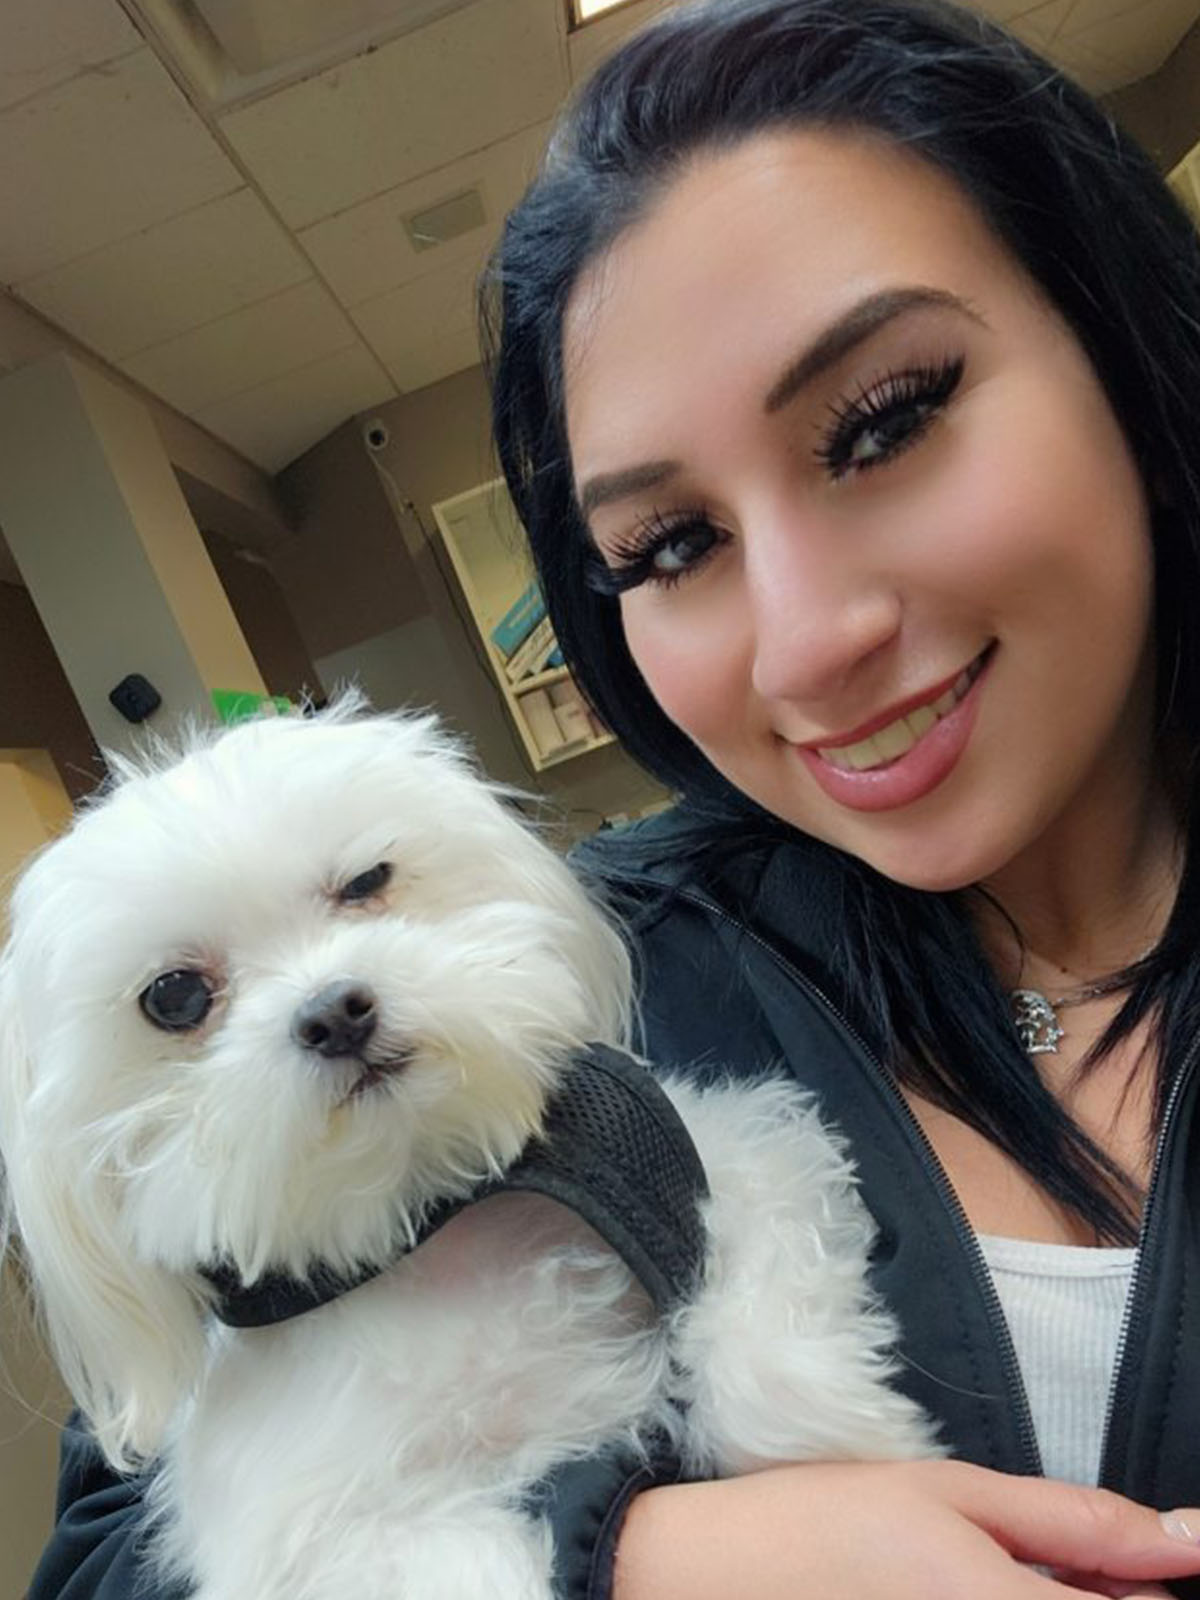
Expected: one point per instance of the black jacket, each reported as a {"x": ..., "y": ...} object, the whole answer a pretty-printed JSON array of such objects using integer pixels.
[{"x": 732, "y": 968}]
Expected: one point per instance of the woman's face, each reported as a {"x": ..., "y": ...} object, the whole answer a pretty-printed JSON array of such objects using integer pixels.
[{"x": 881, "y": 547}]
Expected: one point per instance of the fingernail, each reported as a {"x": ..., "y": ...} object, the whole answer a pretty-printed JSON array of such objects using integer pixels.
[{"x": 1183, "y": 1524}]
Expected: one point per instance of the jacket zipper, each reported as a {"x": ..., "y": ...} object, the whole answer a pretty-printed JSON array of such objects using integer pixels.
[
  {"x": 1111, "y": 1471},
  {"x": 1031, "y": 1462}
]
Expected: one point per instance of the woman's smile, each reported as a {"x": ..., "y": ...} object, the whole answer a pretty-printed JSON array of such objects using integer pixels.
[{"x": 901, "y": 754}]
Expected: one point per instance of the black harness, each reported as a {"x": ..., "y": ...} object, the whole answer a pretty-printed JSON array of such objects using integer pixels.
[{"x": 613, "y": 1150}]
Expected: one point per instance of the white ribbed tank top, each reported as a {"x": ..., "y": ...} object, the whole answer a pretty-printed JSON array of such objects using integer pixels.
[{"x": 1064, "y": 1305}]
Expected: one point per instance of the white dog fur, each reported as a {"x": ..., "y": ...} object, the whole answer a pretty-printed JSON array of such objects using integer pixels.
[{"x": 380, "y": 1446}]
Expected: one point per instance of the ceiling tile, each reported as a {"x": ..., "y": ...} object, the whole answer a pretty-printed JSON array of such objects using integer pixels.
[
  {"x": 419, "y": 102},
  {"x": 1096, "y": 72},
  {"x": 365, "y": 251},
  {"x": 24, "y": 337},
  {"x": 97, "y": 158},
  {"x": 45, "y": 42},
  {"x": 1120, "y": 50},
  {"x": 1004, "y": 11},
  {"x": 1177, "y": 16},
  {"x": 1171, "y": 22},
  {"x": 1039, "y": 27},
  {"x": 277, "y": 421},
  {"x": 154, "y": 285},
  {"x": 436, "y": 307},
  {"x": 249, "y": 347},
  {"x": 1087, "y": 15},
  {"x": 429, "y": 360}
]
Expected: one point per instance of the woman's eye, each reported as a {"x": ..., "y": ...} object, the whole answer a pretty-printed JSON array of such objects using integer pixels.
[
  {"x": 367, "y": 885},
  {"x": 883, "y": 438},
  {"x": 177, "y": 1001},
  {"x": 676, "y": 552},
  {"x": 875, "y": 425},
  {"x": 662, "y": 551}
]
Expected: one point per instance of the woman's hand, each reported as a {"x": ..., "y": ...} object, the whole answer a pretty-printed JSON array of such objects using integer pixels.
[{"x": 922, "y": 1530}]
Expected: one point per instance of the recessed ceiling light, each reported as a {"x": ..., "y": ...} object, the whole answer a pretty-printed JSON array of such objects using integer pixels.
[
  {"x": 583, "y": 11},
  {"x": 263, "y": 35},
  {"x": 232, "y": 51}
]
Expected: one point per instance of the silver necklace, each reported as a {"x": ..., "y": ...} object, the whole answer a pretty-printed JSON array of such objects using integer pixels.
[{"x": 1035, "y": 1015}]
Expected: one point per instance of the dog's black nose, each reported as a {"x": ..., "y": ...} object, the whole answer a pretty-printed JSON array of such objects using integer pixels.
[{"x": 337, "y": 1020}]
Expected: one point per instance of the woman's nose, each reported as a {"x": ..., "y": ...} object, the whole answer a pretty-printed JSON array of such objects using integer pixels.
[{"x": 817, "y": 617}]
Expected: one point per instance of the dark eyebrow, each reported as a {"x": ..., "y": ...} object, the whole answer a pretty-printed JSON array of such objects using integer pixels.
[
  {"x": 853, "y": 328},
  {"x": 606, "y": 486}
]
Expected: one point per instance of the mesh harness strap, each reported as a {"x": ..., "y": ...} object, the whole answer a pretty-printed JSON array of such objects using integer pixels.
[{"x": 613, "y": 1150}]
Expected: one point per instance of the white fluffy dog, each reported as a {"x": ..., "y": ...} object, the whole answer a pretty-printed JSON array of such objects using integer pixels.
[{"x": 265, "y": 1005}]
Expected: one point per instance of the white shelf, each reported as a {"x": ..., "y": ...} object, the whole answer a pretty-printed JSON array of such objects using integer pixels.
[
  {"x": 540, "y": 680},
  {"x": 576, "y": 750},
  {"x": 485, "y": 543}
]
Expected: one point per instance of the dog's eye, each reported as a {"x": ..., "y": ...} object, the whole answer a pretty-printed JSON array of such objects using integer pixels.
[
  {"x": 366, "y": 885},
  {"x": 177, "y": 1001}
]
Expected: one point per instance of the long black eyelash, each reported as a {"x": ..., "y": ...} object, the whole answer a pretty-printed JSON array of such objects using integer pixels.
[
  {"x": 926, "y": 387},
  {"x": 630, "y": 561}
]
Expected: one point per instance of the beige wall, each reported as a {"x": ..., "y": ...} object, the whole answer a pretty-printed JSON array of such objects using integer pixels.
[
  {"x": 33, "y": 806},
  {"x": 375, "y": 598},
  {"x": 37, "y": 707},
  {"x": 94, "y": 516},
  {"x": 197, "y": 456},
  {"x": 1162, "y": 112},
  {"x": 163, "y": 525},
  {"x": 32, "y": 1404},
  {"x": 262, "y": 613},
  {"x": 344, "y": 572}
]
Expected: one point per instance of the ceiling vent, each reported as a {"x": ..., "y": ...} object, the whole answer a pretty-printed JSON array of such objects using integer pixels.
[{"x": 446, "y": 220}]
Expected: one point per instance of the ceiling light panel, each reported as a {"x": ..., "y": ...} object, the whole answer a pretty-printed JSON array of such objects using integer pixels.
[
  {"x": 236, "y": 50},
  {"x": 588, "y": 10},
  {"x": 262, "y": 35}
]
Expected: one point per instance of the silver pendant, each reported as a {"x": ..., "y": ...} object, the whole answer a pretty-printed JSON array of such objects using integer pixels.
[{"x": 1036, "y": 1022}]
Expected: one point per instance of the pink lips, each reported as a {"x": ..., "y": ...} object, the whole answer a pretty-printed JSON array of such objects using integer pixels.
[{"x": 912, "y": 775}]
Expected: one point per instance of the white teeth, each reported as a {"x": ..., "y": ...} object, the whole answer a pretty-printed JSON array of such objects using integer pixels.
[
  {"x": 897, "y": 739},
  {"x": 866, "y": 753}
]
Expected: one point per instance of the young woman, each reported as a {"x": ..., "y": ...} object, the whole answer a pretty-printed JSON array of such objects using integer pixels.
[{"x": 846, "y": 360}]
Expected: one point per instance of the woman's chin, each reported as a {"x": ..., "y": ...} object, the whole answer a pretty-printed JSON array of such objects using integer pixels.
[{"x": 938, "y": 859}]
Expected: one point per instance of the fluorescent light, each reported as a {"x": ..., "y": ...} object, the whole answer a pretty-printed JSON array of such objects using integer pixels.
[
  {"x": 588, "y": 10},
  {"x": 263, "y": 35}
]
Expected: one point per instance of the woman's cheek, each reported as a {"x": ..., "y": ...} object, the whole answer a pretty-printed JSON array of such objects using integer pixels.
[{"x": 690, "y": 657}]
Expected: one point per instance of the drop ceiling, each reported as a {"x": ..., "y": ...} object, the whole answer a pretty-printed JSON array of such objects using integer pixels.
[{"x": 235, "y": 237}]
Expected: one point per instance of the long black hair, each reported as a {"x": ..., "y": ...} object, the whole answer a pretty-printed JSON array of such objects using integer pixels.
[{"x": 1089, "y": 218}]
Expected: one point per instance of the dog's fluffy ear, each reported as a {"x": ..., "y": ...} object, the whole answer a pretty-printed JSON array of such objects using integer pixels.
[
  {"x": 589, "y": 940},
  {"x": 127, "y": 1337}
]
